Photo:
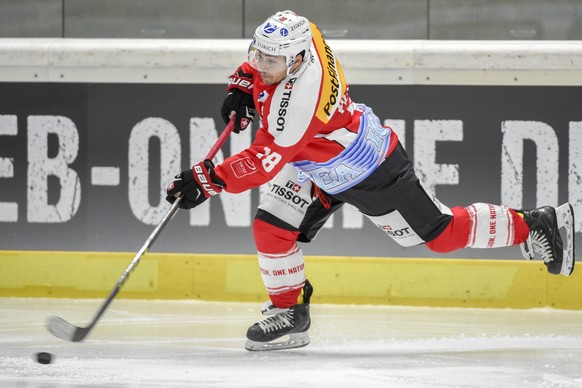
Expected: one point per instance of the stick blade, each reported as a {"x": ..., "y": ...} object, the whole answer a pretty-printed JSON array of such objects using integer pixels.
[{"x": 64, "y": 330}]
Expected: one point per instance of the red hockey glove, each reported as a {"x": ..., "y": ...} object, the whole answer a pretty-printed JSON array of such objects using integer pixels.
[
  {"x": 239, "y": 98},
  {"x": 195, "y": 185}
]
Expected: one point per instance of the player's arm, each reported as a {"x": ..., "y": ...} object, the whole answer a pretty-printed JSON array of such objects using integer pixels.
[
  {"x": 275, "y": 144},
  {"x": 255, "y": 165},
  {"x": 199, "y": 183}
]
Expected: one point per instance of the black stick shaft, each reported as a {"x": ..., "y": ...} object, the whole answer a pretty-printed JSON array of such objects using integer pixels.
[
  {"x": 134, "y": 262},
  {"x": 65, "y": 330}
]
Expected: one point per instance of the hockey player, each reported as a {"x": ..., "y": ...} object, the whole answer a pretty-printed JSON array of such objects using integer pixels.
[{"x": 321, "y": 150}]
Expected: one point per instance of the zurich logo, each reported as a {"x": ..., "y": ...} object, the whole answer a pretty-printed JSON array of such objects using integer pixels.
[
  {"x": 269, "y": 28},
  {"x": 284, "y": 32}
]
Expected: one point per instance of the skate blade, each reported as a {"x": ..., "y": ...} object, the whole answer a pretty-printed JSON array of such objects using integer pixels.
[
  {"x": 296, "y": 340},
  {"x": 565, "y": 215}
]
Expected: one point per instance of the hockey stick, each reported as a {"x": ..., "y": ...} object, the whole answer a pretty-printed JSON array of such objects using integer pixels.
[{"x": 69, "y": 332}]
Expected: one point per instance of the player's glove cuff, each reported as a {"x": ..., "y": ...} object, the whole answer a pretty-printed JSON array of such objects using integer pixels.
[{"x": 195, "y": 185}]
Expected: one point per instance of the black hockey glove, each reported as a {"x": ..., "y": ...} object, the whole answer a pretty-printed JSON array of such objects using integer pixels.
[
  {"x": 239, "y": 98},
  {"x": 195, "y": 185}
]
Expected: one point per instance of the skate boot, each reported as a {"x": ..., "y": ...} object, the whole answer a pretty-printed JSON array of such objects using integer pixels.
[
  {"x": 545, "y": 239},
  {"x": 292, "y": 322}
]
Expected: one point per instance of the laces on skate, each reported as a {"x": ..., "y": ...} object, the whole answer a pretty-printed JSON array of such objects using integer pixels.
[
  {"x": 284, "y": 328},
  {"x": 277, "y": 322},
  {"x": 541, "y": 245}
]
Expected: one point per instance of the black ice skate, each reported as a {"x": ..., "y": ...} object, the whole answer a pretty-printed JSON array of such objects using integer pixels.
[
  {"x": 545, "y": 237},
  {"x": 292, "y": 322}
]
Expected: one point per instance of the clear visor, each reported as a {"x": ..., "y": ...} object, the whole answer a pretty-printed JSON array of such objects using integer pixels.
[{"x": 265, "y": 62}]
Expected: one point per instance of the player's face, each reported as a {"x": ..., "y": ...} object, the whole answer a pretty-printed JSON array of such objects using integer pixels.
[{"x": 271, "y": 67}]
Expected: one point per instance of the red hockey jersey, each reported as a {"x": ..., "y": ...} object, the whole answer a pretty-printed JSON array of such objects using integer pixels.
[{"x": 307, "y": 117}]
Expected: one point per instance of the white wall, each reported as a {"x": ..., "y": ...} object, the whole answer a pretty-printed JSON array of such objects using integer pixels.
[{"x": 397, "y": 62}]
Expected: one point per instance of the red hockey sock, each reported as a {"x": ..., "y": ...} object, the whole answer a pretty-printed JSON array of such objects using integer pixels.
[
  {"x": 279, "y": 253},
  {"x": 481, "y": 226}
]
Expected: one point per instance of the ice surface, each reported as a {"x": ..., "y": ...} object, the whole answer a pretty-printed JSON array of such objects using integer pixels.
[{"x": 200, "y": 344}]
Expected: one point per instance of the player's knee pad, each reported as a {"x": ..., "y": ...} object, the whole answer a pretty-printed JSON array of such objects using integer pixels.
[
  {"x": 455, "y": 235},
  {"x": 273, "y": 239}
]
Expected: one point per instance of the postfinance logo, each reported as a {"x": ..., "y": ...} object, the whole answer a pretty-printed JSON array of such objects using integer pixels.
[{"x": 333, "y": 83}]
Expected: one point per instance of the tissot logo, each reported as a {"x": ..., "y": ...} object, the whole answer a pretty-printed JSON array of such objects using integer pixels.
[
  {"x": 283, "y": 109},
  {"x": 289, "y": 194},
  {"x": 289, "y": 84},
  {"x": 293, "y": 186},
  {"x": 398, "y": 233}
]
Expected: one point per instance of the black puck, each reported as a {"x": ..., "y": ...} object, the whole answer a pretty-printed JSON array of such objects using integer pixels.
[{"x": 44, "y": 357}]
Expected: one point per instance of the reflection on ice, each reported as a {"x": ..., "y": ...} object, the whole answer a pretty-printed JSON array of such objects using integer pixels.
[{"x": 200, "y": 344}]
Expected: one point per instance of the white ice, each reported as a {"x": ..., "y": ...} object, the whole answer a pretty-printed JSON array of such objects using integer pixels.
[{"x": 200, "y": 344}]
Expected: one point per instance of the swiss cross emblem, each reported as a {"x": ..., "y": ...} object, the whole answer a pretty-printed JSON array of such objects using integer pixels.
[{"x": 293, "y": 186}]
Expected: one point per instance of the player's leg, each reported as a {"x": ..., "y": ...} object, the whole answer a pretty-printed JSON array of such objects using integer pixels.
[
  {"x": 287, "y": 213},
  {"x": 490, "y": 226},
  {"x": 396, "y": 201},
  {"x": 393, "y": 198}
]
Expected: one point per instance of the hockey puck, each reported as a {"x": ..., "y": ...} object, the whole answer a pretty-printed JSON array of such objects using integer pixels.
[{"x": 44, "y": 358}]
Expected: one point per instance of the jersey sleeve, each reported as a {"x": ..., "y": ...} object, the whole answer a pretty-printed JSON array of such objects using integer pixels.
[{"x": 257, "y": 164}]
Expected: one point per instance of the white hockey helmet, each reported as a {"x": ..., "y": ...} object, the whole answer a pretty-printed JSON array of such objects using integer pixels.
[{"x": 282, "y": 34}]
